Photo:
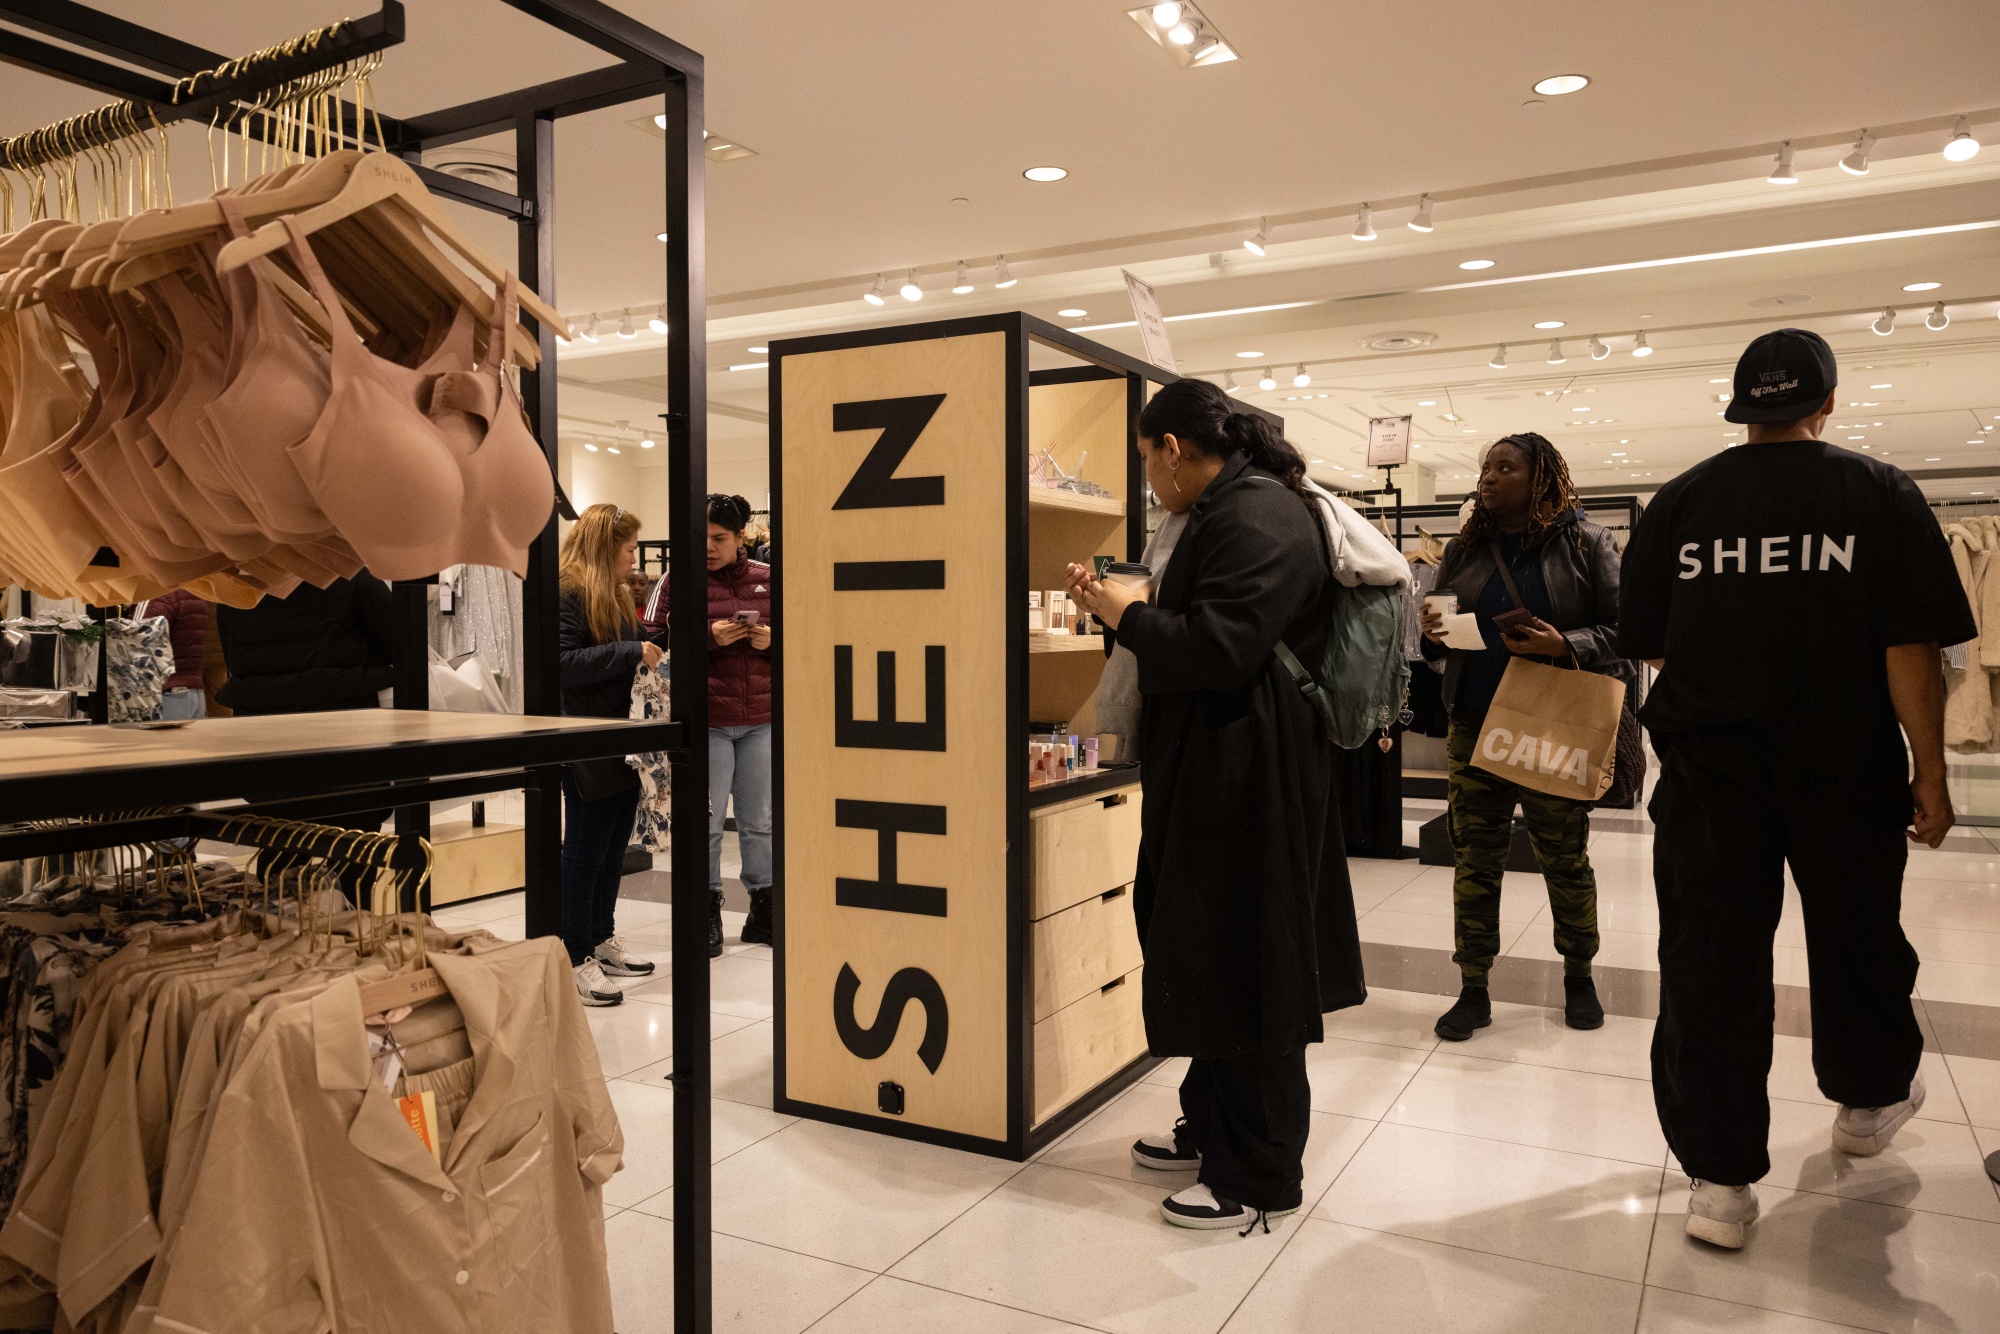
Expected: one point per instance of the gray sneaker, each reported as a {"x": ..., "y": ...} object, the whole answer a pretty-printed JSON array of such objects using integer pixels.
[
  {"x": 1721, "y": 1215},
  {"x": 593, "y": 988},
  {"x": 1866, "y": 1131}
]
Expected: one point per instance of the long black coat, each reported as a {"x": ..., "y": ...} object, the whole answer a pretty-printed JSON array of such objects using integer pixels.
[
  {"x": 1240, "y": 891},
  {"x": 318, "y": 649}
]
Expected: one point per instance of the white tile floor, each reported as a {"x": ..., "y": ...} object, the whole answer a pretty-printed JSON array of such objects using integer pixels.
[{"x": 1515, "y": 1184}]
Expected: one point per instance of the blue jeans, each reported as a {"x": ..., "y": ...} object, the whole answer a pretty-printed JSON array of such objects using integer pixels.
[
  {"x": 177, "y": 705},
  {"x": 739, "y": 766},
  {"x": 593, "y": 862}
]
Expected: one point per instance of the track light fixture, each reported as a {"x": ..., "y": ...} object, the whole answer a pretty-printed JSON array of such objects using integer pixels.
[
  {"x": 873, "y": 296},
  {"x": 625, "y": 329},
  {"x": 1260, "y": 239},
  {"x": 1961, "y": 147},
  {"x": 1885, "y": 323},
  {"x": 1598, "y": 351},
  {"x": 658, "y": 324},
  {"x": 1003, "y": 277},
  {"x": 588, "y": 333},
  {"x": 1301, "y": 380},
  {"x": 960, "y": 284},
  {"x": 1782, "y": 174},
  {"x": 1556, "y": 357},
  {"x": 1229, "y": 385},
  {"x": 1267, "y": 380},
  {"x": 1856, "y": 163},
  {"x": 1423, "y": 221},
  {"x": 912, "y": 290},
  {"x": 592, "y": 448},
  {"x": 1640, "y": 347},
  {"x": 1937, "y": 319},
  {"x": 1499, "y": 362},
  {"x": 1364, "y": 224}
]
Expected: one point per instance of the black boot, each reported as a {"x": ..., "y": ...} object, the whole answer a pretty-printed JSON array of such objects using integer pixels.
[
  {"x": 1581, "y": 1008},
  {"x": 715, "y": 926},
  {"x": 1473, "y": 1011},
  {"x": 757, "y": 930}
]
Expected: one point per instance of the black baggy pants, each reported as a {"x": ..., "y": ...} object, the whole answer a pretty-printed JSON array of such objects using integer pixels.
[
  {"x": 1250, "y": 1115},
  {"x": 1732, "y": 808}
]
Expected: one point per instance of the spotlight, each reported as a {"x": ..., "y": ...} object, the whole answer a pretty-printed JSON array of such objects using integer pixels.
[
  {"x": 1556, "y": 357},
  {"x": 1937, "y": 319},
  {"x": 1166, "y": 15},
  {"x": 1267, "y": 380},
  {"x": 1364, "y": 224},
  {"x": 658, "y": 324},
  {"x": 1640, "y": 347},
  {"x": 1423, "y": 222},
  {"x": 1181, "y": 34},
  {"x": 611, "y": 449},
  {"x": 588, "y": 333},
  {"x": 1782, "y": 174},
  {"x": 1499, "y": 362},
  {"x": 1885, "y": 323},
  {"x": 873, "y": 296},
  {"x": 911, "y": 289},
  {"x": 1301, "y": 380},
  {"x": 645, "y": 444},
  {"x": 1961, "y": 147},
  {"x": 592, "y": 448},
  {"x": 625, "y": 329},
  {"x": 960, "y": 284},
  {"x": 1598, "y": 351},
  {"x": 1229, "y": 385},
  {"x": 1856, "y": 163},
  {"x": 1003, "y": 277},
  {"x": 1256, "y": 243}
]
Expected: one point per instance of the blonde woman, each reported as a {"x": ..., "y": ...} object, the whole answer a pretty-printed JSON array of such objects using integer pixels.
[{"x": 601, "y": 647}]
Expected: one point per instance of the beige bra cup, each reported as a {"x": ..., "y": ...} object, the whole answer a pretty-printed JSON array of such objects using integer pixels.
[
  {"x": 509, "y": 491},
  {"x": 375, "y": 461}
]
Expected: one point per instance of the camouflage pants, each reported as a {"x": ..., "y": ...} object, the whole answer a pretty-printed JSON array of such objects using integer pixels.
[{"x": 1480, "y": 807}]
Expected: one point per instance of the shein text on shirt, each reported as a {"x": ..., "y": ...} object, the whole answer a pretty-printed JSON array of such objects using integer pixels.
[{"x": 1773, "y": 555}]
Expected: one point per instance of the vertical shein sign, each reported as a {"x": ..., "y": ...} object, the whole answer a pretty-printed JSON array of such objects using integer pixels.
[{"x": 895, "y": 667}]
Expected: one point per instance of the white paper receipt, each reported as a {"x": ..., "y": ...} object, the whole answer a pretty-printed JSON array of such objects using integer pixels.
[{"x": 1462, "y": 631}]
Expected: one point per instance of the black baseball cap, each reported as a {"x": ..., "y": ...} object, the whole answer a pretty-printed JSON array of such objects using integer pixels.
[{"x": 1782, "y": 376}]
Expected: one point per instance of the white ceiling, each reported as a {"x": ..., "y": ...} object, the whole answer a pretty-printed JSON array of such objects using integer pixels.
[{"x": 870, "y": 118}]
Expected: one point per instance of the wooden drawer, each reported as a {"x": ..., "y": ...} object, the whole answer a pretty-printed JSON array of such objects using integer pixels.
[
  {"x": 469, "y": 863},
  {"x": 1082, "y": 1045},
  {"x": 1078, "y": 950},
  {"x": 1080, "y": 849}
]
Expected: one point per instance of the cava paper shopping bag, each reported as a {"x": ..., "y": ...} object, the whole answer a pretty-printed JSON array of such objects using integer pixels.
[{"x": 1552, "y": 729}]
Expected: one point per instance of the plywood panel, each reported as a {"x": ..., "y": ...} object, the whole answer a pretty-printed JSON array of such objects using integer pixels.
[
  {"x": 962, "y": 953},
  {"x": 1082, "y": 425},
  {"x": 1080, "y": 849},
  {"x": 470, "y": 863},
  {"x": 1078, "y": 950},
  {"x": 1082, "y": 1045},
  {"x": 1062, "y": 687}
]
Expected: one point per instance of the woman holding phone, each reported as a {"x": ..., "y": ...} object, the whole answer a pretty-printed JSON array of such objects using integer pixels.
[
  {"x": 739, "y": 711},
  {"x": 1542, "y": 583}
]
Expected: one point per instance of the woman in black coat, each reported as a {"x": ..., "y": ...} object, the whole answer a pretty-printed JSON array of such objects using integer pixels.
[{"x": 1237, "y": 778}]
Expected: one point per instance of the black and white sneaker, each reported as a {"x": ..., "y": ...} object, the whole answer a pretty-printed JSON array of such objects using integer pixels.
[
  {"x": 1171, "y": 1152},
  {"x": 593, "y": 988},
  {"x": 1200, "y": 1207},
  {"x": 617, "y": 959}
]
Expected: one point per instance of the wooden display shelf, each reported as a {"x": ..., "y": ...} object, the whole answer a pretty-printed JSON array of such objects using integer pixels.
[
  {"x": 1044, "y": 642},
  {"x": 1048, "y": 498}
]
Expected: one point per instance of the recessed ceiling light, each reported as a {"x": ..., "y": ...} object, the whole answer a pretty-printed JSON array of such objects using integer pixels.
[
  {"x": 1720, "y": 379},
  {"x": 1470, "y": 430},
  {"x": 1580, "y": 408},
  {"x": 1548, "y": 324},
  {"x": 1881, "y": 386},
  {"x": 1045, "y": 174},
  {"x": 1617, "y": 453},
  {"x": 1857, "y": 437},
  {"x": 1427, "y": 402},
  {"x": 1476, "y": 264},
  {"x": 1071, "y": 314},
  {"x": 1976, "y": 440},
  {"x": 759, "y": 351},
  {"x": 1939, "y": 458},
  {"x": 1921, "y": 287},
  {"x": 1249, "y": 356},
  {"x": 1560, "y": 84}
]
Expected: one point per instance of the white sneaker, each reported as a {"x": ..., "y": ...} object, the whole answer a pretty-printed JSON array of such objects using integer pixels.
[
  {"x": 619, "y": 961},
  {"x": 1200, "y": 1207},
  {"x": 1866, "y": 1131},
  {"x": 1171, "y": 1152},
  {"x": 592, "y": 988},
  {"x": 1721, "y": 1215}
]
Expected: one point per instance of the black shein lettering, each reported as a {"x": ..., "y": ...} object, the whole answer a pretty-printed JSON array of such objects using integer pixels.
[
  {"x": 885, "y": 893},
  {"x": 885, "y": 732},
  {"x": 881, "y": 576},
  {"x": 875, "y": 485},
  {"x": 874, "y": 1041}
]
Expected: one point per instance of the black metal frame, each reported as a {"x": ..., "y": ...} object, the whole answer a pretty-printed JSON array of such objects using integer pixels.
[
  {"x": 1020, "y": 330},
  {"x": 648, "y": 65}
]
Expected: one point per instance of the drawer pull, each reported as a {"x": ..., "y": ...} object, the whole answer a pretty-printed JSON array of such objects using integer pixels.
[
  {"x": 1110, "y": 986},
  {"x": 1111, "y": 894},
  {"x": 1115, "y": 799}
]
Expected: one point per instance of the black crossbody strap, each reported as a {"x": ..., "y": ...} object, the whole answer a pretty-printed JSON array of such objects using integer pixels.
[{"x": 1507, "y": 577}]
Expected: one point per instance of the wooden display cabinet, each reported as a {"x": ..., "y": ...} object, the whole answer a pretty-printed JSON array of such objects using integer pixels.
[{"x": 956, "y": 955}]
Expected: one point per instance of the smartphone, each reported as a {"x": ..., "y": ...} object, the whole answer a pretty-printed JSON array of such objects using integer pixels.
[
  {"x": 745, "y": 618},
  {"x": 1512, "y": 623}
]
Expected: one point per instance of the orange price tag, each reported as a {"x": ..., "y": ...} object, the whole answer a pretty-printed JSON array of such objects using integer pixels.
[{"x": 420, "y": 1110}]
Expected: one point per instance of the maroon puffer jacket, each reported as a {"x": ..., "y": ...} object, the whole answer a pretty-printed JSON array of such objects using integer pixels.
[
  {"x": 739, "y": 677},
  {"x": 188, "y": 619}
]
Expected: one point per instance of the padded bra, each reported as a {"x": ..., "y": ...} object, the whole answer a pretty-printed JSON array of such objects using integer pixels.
[{"x": 421, "y": 470}]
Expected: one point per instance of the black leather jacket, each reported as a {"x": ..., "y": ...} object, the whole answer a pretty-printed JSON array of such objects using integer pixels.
[{"x": 1579, "y": 565}]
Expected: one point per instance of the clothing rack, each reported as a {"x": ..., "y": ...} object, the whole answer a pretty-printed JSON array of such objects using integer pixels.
[{"x": 647, "y": 65}]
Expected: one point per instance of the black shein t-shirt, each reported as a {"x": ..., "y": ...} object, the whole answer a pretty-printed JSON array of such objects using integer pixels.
[{"x": 1771, "y": 578}]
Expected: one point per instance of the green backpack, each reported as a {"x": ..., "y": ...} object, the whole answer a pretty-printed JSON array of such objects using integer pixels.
[{"x": 1365, "y": 678}]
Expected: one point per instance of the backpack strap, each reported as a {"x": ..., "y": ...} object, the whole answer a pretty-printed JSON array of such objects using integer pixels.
[{"x": 1308, "y": 687}]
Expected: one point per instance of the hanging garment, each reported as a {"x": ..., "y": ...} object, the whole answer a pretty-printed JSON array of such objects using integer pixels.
[
  {"x": 1969, "y": 714},
  {"x": 652, "y": 701},
  {"x": 139, "y": 658}
]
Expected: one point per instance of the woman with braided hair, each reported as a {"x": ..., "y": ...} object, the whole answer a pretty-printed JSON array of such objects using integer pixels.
[{"x": 1565, "y": 570}]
